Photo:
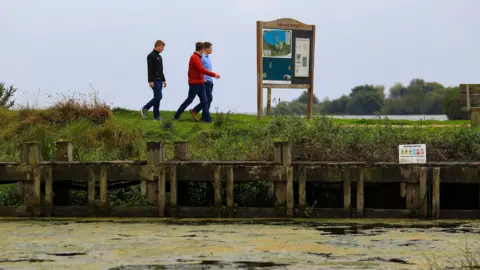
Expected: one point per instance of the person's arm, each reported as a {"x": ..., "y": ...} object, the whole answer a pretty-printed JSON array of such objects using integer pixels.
[
  {"x": 150, "y": 69},
  {"x": 162, "y": 75},
  {"x": 198, "y": 65}
]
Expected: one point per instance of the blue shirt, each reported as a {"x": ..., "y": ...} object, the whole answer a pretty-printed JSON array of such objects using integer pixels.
[{"x": 207, "y": 64}]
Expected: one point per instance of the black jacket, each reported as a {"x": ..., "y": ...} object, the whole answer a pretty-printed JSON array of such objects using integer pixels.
[{"x": 155, "y": 67}]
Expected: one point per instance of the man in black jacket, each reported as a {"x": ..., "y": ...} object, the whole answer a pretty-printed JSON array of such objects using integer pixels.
[{"x": 156, "y": 80}]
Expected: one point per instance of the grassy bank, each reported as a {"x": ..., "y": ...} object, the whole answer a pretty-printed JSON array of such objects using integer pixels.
[{"x": 99, "y": 133}]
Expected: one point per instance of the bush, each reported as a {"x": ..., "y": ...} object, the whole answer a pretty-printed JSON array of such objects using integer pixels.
[{"x": 452, "y": 107}]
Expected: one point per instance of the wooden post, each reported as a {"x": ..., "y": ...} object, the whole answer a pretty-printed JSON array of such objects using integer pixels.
[
  {"x": 48, "y": 199},
  {"x": 180, "y": 153},
  {"x": 155, "y": 156},
  {"x": 217, "y": 190},
  {"x": 91, "y": 191},
  {"x": 410, "y": 200},
  {"x": 347, "y": 201},
  {"x": 161, "y": 190},
  {"x": 63, "y": 193},
  {"x": 181, "y": 150},
  {"x": 312, "y": 74},
  {"x": 475, "y": 117},
  {"x": 361, "y": 193},
  {"x": 302, "y": 192},
  {"x": 282, "y": 154},
  {"x": 230, "y": 177},
  {"x": 436, "y": 193},
  {"x": 290, "y": 198},
  {"x": 269, "y": 100},
  {"x": 403, "y": 190},
  {"x": 31, "y": 157},
  {"x": 423, "y": 202},
  {"x": 310, "y": 103},
  {"x": 37, "y": 191},
  {"x": 103, "y": 190},
  {"x": 259, "y": 72}
]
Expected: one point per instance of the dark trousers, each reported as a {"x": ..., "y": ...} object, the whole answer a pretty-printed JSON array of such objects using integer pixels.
[
  {"x": 155, "y": 101},
  {"x": 208, "y": 91},
  {"x": 193, "y": 91}
]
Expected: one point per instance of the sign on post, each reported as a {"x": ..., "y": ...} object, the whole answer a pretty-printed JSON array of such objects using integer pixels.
[
  {"x": 469, "y": 96},
  {"x": 412, "y": 153},
  {"x": 285, "y": 59}
]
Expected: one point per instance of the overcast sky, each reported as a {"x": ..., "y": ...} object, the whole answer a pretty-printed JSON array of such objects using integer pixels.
[{"x": 54, "y": 47}]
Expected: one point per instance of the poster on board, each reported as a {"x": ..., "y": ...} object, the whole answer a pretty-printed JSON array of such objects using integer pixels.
[
  {"x": 277, "y": 56},
  {"x": 302, "y": 57}
]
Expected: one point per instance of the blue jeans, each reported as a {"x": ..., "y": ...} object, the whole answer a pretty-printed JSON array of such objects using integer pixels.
[
  {"x": 155, "y": 101},
  {"x": 208, "y": 92},
  {"x": 194, "y": 90}
]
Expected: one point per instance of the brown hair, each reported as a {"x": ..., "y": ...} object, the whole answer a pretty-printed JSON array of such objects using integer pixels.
[
  {"x": 159, "y": 43},
  {"x": 207, "y": 44},
  {"x": 199, "y": 46}
]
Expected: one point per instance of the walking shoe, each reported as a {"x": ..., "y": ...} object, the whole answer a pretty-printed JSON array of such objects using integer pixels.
[
  {"x": 194, "y": 115},
  {"x": 144, "y": 113},
  {"x": 158, "y": 119}
]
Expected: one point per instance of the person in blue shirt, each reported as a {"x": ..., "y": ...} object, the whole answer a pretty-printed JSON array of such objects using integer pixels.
[{"x": 207, "y": 63}]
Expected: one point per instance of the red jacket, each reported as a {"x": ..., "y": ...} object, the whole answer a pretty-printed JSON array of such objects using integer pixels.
[{"x": 196, "y": 71}]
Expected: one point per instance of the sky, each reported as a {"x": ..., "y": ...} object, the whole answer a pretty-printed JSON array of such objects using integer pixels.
[{"x": 55, "y": 48}]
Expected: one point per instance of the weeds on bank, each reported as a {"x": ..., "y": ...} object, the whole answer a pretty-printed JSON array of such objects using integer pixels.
[{"x": 467, "y": 259}]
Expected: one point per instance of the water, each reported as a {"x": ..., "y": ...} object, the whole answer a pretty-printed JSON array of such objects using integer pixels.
[
  {"x": 395, "y": 117},
  {"x": 247, "y": 244}
]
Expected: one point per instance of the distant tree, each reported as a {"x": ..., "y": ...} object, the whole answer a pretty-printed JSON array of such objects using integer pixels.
[
  {"x": 6, "y": 95},
  {"x": 303, "y": 98},
  {"x": 451, "y": 105},
  {"x": 366, "y": 100}
]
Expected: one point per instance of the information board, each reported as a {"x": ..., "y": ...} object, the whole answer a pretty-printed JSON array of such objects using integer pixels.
[{"x": 412, "y": 153}]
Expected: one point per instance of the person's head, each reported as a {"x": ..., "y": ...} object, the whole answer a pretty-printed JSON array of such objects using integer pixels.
[
  {"x": 159, "y": 46},
  {"x": 199, "y": 47},
  {"x": 208, "y": 47}
]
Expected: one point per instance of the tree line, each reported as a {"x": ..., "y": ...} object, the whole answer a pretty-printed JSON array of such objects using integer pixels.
[{"x": 418, "y": 97}]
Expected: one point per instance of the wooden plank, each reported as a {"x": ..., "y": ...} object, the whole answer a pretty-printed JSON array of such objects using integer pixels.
[
  {"x": 286, "y": 86},
  {"x": 436, "y": 193},
  {"x": 217, "y": 190},
  {"x": 347, "y": 192},
  {"x": 460, "y": 214},
  {"x": 312, "y": 73},
  {"x": 403, "y": 190},
  {"x": 410, "y": 200},
  {"x": 91, "y": 191},
  {"x": 387, "y": 213},
  {"x": 287, "y": 24},
  {"x": 63, "y": 191},
  {"x": 161, "y": 191},
  {"x": 290, "y": 198},
  {"x": 48, "y": 199},
  {"x": 302, "y": 190},
  {"x": 230, "y": 179},
  {"x": 360, "y": 193},
  {"x": 173, "y": 191},
  {"x": 103, "y": 191},
  {"x": 181, "y": 150},
  {"x": 329, "y": 213},
  {"x": 31, "y": 157}
]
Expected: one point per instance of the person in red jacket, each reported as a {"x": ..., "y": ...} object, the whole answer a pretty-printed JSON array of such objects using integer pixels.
[{"x": 196, "y": 82}]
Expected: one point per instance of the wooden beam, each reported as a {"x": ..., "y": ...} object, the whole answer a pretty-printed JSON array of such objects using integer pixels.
[
  {"x": 286, "y": 86},
  {"x": 217, "y": 190},
  {"x": 103, "y": 191},
  {"x": 436, "y": 193},
  {"x": 91, "y": 191},
  {"x": 161, "y": 190},
  {"x": 290, "y": 198},
  {"x": 155, "y": 156},
  {"x": 287, "y": 24},
  {"x": 360, "y": 193},
  {"x": 259, "y": 71},
  {"x": 269, "y": 100},
  {"x": 302, "y": 191},
  {"x": 230, "y": 179},
  {"x": 48, "y": 199}
]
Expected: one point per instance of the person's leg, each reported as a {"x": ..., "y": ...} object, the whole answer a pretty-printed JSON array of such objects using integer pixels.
[
  {"x": 149, "y": 104},
  {"x": 209, "y": 92},
  {"x": 192, "y": 92},
  {"x": 157, "y": 97},
  {"x": 203, "y": 99}
]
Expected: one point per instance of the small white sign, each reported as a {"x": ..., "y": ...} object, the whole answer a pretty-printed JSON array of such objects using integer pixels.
[{"x": 412, "y": 153}]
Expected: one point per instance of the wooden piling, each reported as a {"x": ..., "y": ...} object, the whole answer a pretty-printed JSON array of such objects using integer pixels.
[
  {"x": 63, "y": 193},
  {"x": 155, "y": 156},
  {"x": 360, "y": 193},
  {"x": 290, "y": 198},
  {"x": 302, "y": 192},
  {"x": 347, "y": 200},
  {"x": 161, "y": 190},
  {"x": 48, "y": 199},
  {"x": 181, "y": 150},
  {"x": 279, "y": 187},
  {"x": 91, "y": 191},
  {"x": 269, "y": 100},
  {"x": 31, "y": 157},
  {"x": 37, "y": 192},
  {"x": 103, "y": 190},
  {"x": 180, "y": 153},
  {"x": 217, "y": 190},
  {"x": 423, "y": 202},
  {"x": 436, "y": 193},
  {"x": 230, "y": 178}
]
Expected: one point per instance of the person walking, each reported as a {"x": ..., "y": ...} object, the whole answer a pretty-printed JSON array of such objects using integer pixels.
[
  {"x": 156, "y": 80},
  {"x": 207, "y": 63},
  {"x": 196, "y": 82}
]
